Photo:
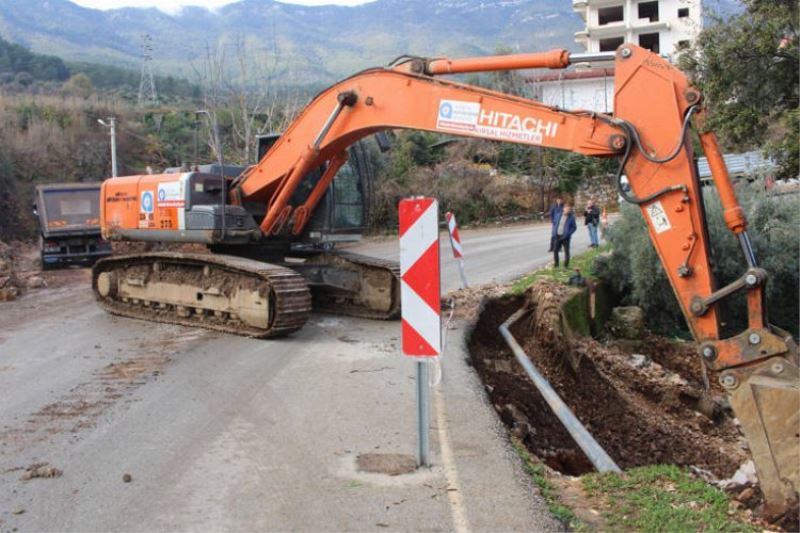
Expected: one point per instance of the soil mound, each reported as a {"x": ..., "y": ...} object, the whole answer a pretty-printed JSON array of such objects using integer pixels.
[{"x": 643, "y": 401}]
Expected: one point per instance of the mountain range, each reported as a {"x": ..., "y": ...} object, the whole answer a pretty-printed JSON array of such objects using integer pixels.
[
  {"x": 303, "y": 44},
  {"x": 311, "y": 44}
]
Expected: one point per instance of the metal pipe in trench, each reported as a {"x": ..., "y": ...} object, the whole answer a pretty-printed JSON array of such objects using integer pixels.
[{"x": 596, "y": 454}]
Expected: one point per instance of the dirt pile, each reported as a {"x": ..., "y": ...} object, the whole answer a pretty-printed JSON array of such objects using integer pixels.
[
  {"x": 10, "y": 284},
  {"x": 20, "y": 269},
  {"x": 466, "y": 303},
  {"x": 40, "y": 470},
  {"x": 643, "y": 401}
]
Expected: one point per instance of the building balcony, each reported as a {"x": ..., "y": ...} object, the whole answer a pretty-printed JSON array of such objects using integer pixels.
[
  {"x": 642, "y": 25},
  {"x": 607, "y": 30}
]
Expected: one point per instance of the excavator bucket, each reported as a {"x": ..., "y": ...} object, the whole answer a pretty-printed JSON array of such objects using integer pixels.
[{"x": 766, "y": 400}]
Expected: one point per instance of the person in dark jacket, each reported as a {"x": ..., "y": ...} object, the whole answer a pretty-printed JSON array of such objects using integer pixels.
[
  {"x": 591, "y": 218},
  {"x": 564, "y": 226},
  {"x": 555, "y": 211}
]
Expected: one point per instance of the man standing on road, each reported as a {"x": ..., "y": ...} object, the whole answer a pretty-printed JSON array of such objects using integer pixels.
[
  {"x": 591, "y": 218},
  {"x": 564, "y": 227},
  {"x": 555, "y": 212}
]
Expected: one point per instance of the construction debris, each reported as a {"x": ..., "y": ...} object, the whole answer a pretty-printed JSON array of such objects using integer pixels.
[{"x": 40, "y": 470}]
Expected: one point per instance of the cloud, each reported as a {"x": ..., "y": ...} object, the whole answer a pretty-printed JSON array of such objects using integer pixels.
[{"x": 173, "y": 6}]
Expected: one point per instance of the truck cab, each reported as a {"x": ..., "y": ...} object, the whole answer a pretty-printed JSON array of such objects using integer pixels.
[{"x": 69, "y": 224}]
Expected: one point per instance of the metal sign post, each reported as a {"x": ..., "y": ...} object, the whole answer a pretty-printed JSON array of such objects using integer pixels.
[
  {"x": 455, "y": 244},
  {"x": 420, "y": 296},
  {"x": 423, "y": 454}
]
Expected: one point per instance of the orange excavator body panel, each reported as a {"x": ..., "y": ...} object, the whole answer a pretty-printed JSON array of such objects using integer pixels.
[{"x": 145, "y": 202}]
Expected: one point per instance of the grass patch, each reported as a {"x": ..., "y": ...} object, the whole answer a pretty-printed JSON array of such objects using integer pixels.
[
  {"x": 548, "y": 489},
  {"x": 662, "y": 498},
  {"x": 582, "y": 262}
]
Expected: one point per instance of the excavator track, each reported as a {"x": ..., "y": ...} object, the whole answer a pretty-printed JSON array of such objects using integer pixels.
[
  {"x": 219, "y": 292},
  {"x": 376, "y": 295}
]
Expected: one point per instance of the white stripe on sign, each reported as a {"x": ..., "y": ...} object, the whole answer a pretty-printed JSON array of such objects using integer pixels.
[
  {"x": 419, "y": 238},
  {"x": 420, "y": 316}
]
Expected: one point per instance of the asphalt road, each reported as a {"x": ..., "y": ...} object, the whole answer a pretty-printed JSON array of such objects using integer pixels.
[
  {"x": 219, "y": 432},
  {"x": 498, "y": 254}
]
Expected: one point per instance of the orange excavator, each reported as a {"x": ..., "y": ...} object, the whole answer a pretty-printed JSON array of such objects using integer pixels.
[{"x": 255, "y": 283}]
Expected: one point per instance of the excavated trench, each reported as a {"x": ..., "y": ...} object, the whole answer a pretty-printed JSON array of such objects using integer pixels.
[{"x": 644, "y": 401}]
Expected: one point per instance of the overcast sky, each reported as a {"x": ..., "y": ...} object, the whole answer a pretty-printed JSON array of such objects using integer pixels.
[{"x": 175, "y": 5}]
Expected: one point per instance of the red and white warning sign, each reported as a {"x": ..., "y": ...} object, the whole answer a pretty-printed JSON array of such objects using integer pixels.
[
  {"x": 455, "y": 238},
  {"x": 420, "y": 285},
  {"x": 455, "y": 244}
]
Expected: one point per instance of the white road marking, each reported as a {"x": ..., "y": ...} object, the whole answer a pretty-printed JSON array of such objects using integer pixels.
[{"x": 457, "y": 509}]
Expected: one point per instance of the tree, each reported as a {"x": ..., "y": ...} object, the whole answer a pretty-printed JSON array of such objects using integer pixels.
[
  {"x": 635, "y": 273},
  {"x": 78, "y": 85},
  {"x": 746, "y": 65},
  {"x": 239, "y": 92}
]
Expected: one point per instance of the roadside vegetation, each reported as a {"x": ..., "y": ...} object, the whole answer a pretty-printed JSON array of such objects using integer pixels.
[
  {"x": 657, "y": 498},
  {"x": 634, "y": 272},
  {"x": 582, "y": 263},
  {"x": 747, "y": 66},
  {"x": 662, "y": 498}
]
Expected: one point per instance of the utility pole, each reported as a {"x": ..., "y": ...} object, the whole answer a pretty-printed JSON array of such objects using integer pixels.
[{"x": 112, "y": 130}]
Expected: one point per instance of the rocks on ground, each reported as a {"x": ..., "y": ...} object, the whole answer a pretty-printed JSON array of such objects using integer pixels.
[
  {"x": 40, "y": 470},
  {"x": 627, "y": 322}
]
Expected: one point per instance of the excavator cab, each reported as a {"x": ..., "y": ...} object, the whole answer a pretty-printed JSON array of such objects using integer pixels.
[{"x": 343, "y": 212}]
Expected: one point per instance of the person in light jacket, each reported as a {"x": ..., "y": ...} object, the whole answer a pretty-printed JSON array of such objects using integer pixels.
[
  {"x": 564, "y": 226},
  {"x": 555, "y": 211}
]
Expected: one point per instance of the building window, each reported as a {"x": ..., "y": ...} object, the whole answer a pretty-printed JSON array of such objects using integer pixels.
[
  {"x": 683, "y": 12},
  {"x": 607, "y": 15},
  {"x": 648, "y": 10},
  {"x": 683, "y": 45},
  {"x": 611, "y": 44},
  {"x": 650, "y": 41}
]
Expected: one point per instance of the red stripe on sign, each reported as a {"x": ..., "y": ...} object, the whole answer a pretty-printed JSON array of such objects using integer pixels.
[
  {"x": 409, "y": 212},
  {"x": 414, "y": 344},
  {"x": 423, "y": 277}
]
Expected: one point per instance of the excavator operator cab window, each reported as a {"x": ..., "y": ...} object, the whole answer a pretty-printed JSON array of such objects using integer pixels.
[
  {"x": 348, "y": 197},
  {"x": 204, "y": 189}
]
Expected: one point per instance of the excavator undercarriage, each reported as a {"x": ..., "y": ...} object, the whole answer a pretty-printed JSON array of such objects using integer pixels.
[
  {"x": 245, "y": 296},
  {"x": 224, "y": 293}
]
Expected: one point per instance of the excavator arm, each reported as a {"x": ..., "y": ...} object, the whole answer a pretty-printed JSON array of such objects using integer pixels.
[
  {"x": 394, "y": 98},
  {"x": 654, "y": 106}
]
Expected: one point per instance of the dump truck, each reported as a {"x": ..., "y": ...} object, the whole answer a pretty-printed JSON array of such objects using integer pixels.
[{"x": 69, "y": 224}]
